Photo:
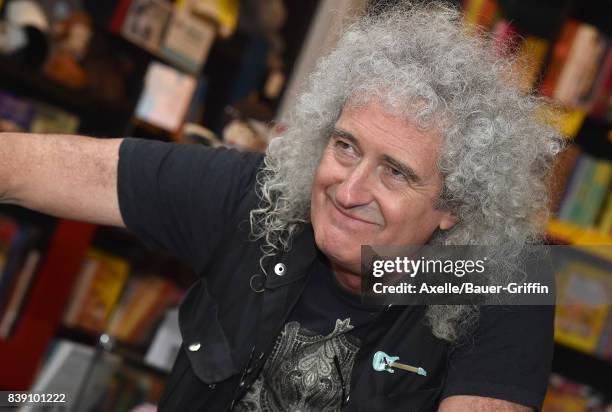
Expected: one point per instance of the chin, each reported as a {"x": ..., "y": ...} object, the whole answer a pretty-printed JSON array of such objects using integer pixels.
[{"x": 341, "y": 250}]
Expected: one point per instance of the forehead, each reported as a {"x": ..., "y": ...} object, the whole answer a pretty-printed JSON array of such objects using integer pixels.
[{"x": 380, "y": 133}]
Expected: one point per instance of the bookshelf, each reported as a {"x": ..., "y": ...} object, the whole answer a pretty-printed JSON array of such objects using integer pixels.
[
  {"x": 105, "y": 107},
  {"x": 22, "y": 353},
  {"x": 571, "y": 233},
  {"x": 574, "y": 71}
]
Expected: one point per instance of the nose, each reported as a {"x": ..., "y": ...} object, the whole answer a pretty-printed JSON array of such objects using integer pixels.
[{"x": 356, "y": 188}]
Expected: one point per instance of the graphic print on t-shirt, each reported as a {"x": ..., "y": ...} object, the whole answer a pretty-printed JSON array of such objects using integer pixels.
[{"x": 300, "y": 373}]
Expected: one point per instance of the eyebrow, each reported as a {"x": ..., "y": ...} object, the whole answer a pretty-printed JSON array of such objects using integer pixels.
[{"x": 405, "y": 169}]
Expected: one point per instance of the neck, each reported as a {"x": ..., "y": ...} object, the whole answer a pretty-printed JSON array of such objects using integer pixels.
[{"x": 347, "y": 279}]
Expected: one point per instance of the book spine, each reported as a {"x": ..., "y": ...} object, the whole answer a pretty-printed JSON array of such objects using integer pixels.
[
  {"x": 572, "y": 188},
  {"x": 561, "y": 50},
  {"x": 19, "y": 248},
  {"x": 119, "y": 16},
  {"x": 567, "y": 86},
  {"x": 605, "y": 224},
  {"x": 576, "y": 214},
  {"x": 103, "y": 292},
  {"x": 603, "y": 87},
  {"x": 23, "y": 284},
  {"x": 596, "y": 196},
  {"x": 79, "y": 292}
]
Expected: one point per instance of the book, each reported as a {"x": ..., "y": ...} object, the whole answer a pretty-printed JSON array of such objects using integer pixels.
[
  {"x": 187, "y": 41},
  {"x": 84, "y": 279},
  {"x": 145, "y": 23},
  {"x": 604, "y": 347},
  {"x": 118, "y": 16},
  {"x": 530, "y": 58},
  {"x": 127, "y": 390},
  {"x": 596, "y": 195},
  {"x": 16, "y": 301},
  {"x": 95, "y": 298},
  {"x": 571, "y": 121},
  {"x": 50, "y": 119},
  {"x": 572, "y": 192},
  {"x": 141, "y": 307},
  {"x": 149, "y": 313},
  {"x": 166, "y": 343},
  {"x": 565, "y": 395},
  {"x": 605, "y": 223},
  {"x": 584, "y": 293},
  {"x": 601, "y": 104},
  {"x": 23, "y": 241},
  {"x": 8, "y": 230},
  {"x": 581, "y": 194},
  {"x": 66, "y": 369},
  {"x": 578, "y": 58},
  {"x": 15, "y": 114},
  {"x": 165, "y": 97},
  {"x": 594, "y": 63},
  {"x": 196, "y": 106},
  {"x": 224, "y": 12},
  {"x": 472, "y": 10},
  {"x": 563, "y": 166},
  {"x": 560, "y": 53}
]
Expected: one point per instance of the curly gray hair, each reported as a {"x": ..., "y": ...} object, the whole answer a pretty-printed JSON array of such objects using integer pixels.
[{"x": 424, "y": 63}]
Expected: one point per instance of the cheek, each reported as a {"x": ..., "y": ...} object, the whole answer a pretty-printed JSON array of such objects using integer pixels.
[
  {"x": 317, "y": 198},
  {"x": 409, "y": 221},
  {"x": 327, "y": 169},
  {"x": 326, "y": 175}
]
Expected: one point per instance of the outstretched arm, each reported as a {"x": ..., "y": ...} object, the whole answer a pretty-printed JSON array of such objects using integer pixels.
[
  {"x": 464, "y": 403},
  {"x": 72, "y": 177}
]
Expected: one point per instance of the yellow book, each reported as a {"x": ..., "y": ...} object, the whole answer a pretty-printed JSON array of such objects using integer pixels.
[
  {"x": 582, "y": 305},
  {"x": 103, "y": 291},
  {"x": 143, "y": 295},
  {"x": 223, "y": 12},
  {"x": 605, "y": 224},
  {"x": 473, "y": 10},
  {"x": 531, "y": 55},
  {"x": 571, "y": 121}
]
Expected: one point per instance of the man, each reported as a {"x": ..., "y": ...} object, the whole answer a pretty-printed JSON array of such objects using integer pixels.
[{"x": 408, "y": 133}]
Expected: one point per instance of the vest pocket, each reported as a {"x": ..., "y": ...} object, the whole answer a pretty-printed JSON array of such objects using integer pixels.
[{"x": 204, "y": 340}]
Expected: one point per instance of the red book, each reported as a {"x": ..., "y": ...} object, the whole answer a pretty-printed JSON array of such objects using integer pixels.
[
  {"x": 119, "y": 15},
  {"x": 560, "y": 53},
  {"x": 602, "y": 87}
]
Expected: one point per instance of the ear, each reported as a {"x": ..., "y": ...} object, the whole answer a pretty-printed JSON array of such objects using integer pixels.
[{"x": 447, "y": 221}]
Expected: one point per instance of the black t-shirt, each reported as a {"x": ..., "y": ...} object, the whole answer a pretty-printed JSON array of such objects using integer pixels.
[
  {"x": 324, "y": 300},
  {"x": 179, "y": 197}
]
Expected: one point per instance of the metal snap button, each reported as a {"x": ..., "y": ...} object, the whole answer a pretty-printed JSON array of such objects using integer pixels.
[
  {"x": 280, "y": 269},
  {"x": 194, "y": 347}
]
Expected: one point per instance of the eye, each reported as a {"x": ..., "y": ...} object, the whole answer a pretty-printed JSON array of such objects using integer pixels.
[
  {"x": 395, "y": 173},
  {"x": 341, "y": 144},
  {"x": 344, "y": 148}
]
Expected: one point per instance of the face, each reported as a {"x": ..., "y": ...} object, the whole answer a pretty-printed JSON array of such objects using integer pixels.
[{"x": 376, "y": 184}]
